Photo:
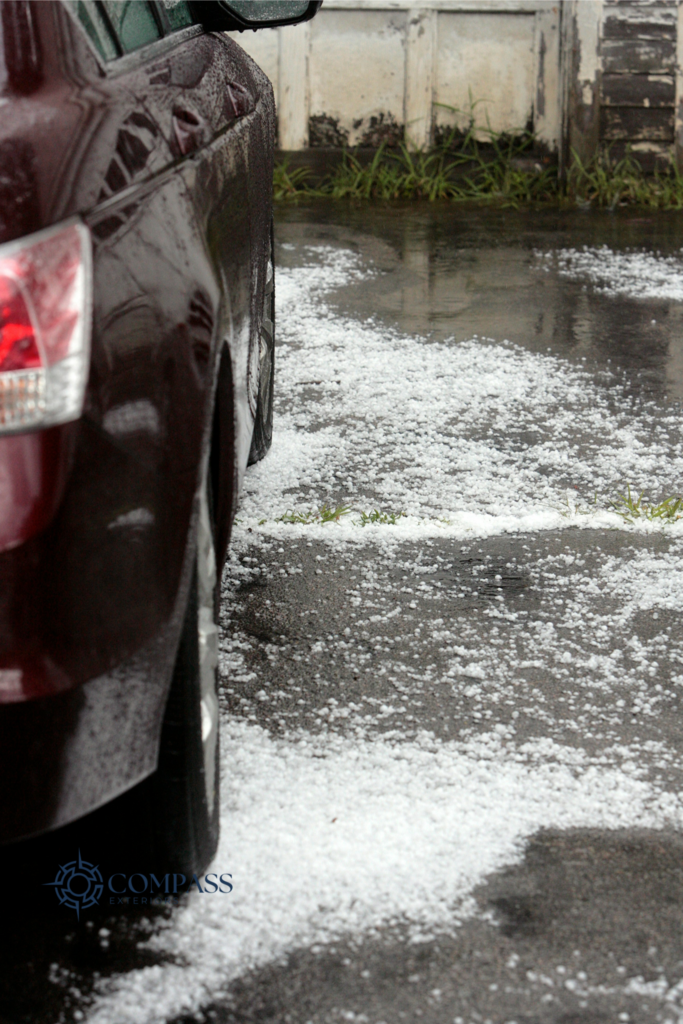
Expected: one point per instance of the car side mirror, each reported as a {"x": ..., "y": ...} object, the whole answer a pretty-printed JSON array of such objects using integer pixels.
[{"x": 228, "y": 15}]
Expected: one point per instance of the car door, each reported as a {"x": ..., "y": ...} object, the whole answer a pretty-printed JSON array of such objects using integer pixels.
[{"x": 163, "y": 169}]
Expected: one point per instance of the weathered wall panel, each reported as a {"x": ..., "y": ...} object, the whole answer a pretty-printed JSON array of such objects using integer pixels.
[
  {"x": 377, "y": 70},
  {"x": 293, "y": 85},
  {"x": 631, "y": 21},
  {"x": 638, "y": 84},
  {"x": 547, "y": 114},
  {"x": 678, "y": 102},
  {"x": 419, "y": 82},
  {"x": 357, "y": 75},
  {"x": 638, "y": 90},
  {"x": 489, "y": 59},
  {"x": 639, "y": 56},
  {"x": 581, "y": 72},
  {"x": 650, "y": 155},
  {"x": 637, "y": 124}
]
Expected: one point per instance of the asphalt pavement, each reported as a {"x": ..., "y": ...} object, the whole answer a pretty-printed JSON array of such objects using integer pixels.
[{"x": 452, "y": 712}]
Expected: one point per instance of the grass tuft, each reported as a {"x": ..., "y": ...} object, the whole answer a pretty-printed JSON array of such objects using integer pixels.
[
  {"x": 325, "y": 514},
  {"x": 382, "y": 518},
  {"x": 630, "y": 509},
  {"x": 328, "y": 514},
  {"x": 476, "y": 164},
  {"x": 290, "y": 184},
  {"x": 466, "y": 171},
  {"x": 610, "y": 183},
  {"x": 625, "y": 505}
]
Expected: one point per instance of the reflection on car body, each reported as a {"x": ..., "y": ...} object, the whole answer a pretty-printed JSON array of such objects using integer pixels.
[{"x": 136, "y": 352}]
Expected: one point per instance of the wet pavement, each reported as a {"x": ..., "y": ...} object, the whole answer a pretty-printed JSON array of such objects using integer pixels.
[
  {"x": 456, "y": 273},
  {"x": 557, "y": 936},
  {"x": 535, "y": 634},
  {"x": 515, "y": 853},
  {"x": 529, "y": 620}
]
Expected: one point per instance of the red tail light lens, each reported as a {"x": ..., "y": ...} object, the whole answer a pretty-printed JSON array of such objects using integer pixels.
[
  {"x": 45, "y": 290},
  {"x": 18, "y": 345}
]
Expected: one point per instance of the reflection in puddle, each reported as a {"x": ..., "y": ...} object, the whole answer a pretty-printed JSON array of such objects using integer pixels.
[{"x": 448, "y": 273}]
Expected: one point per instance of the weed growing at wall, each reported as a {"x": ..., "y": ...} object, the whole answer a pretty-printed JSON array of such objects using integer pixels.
[
  {"x": 459, "y": 169},
  {"x": 608, "y": 183},
  {"x": 480, "y": 165}
]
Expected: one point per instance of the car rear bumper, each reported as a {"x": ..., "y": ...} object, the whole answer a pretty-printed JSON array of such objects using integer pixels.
[{"x": 65, "y": 755}]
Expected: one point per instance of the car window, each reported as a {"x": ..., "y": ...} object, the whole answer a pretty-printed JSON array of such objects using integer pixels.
[
  {"x": 90, "y": 17},
  {"x": 177, "y": 13},
  {"x": 133, "y": 22}
]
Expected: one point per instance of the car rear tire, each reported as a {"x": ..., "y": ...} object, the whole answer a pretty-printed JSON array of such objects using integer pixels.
[
  {"x": 263, "y": 421},
  {"x": 184, "y": 790}
]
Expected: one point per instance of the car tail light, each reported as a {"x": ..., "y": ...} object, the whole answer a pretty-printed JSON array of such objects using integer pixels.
[{"x": 45, "y": 298}]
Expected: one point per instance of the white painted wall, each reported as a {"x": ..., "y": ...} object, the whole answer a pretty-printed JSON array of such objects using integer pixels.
[
  {"x": 357, "y": 67},
  {"x": 489, "y": 59},
  {"x": 403, "y": 60}
]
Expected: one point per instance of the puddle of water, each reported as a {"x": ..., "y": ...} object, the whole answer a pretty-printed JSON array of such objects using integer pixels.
[{"x": 453, "y": 273}]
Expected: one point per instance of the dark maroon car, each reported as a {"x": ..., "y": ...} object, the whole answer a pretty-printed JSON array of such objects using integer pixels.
[{"x": 136, "y": 355}]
